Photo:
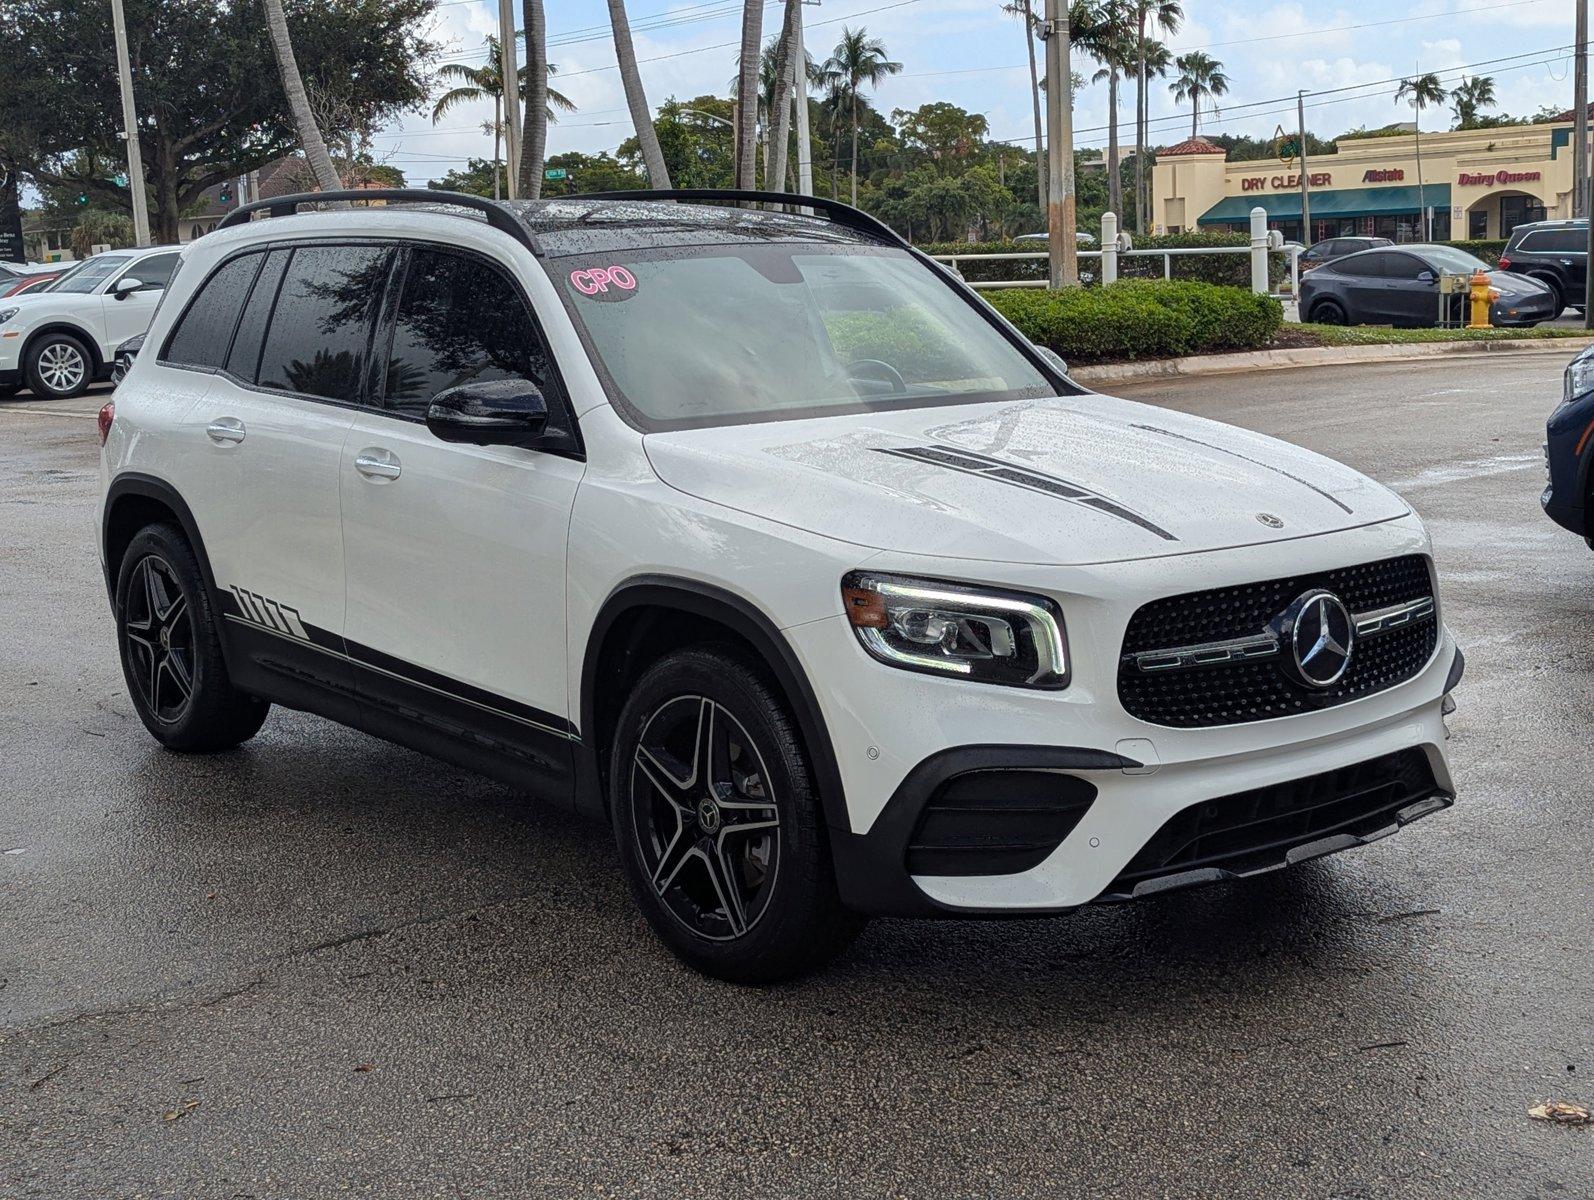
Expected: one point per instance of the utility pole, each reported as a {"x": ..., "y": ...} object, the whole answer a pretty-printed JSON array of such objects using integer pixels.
[
  {"x": 510, "y": 71},
  {"x": 135, "y": 152},
  {"x": 1306, "y": 191},
  {"x": 1060, "y": 142},
  {"x": 805, "y": 163},
  {"x": 1580, "y": 188}
]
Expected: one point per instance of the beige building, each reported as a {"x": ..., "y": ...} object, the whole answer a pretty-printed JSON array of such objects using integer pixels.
[{"x": 1479, "y": 183}]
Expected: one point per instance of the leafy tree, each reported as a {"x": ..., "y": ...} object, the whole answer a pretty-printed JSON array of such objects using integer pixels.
[
  {"x": 210, "y": 99},
  {"x": 479, "y": 178},
  {"x": 1421, "y": 91},
  {"x": 596, "y": 173},
  {"x": 1199, "y": 75},
  {"x": 949, "y": 136},
  {"x": 1102, "y": 29},
  {"x": 857, "y": 61},
  {"x": 1151, "y": 61},
  {"x": 1024, "y": 10}
]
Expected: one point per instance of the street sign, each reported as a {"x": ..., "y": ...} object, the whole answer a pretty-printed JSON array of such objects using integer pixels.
[{"x": 555, "y": 174}]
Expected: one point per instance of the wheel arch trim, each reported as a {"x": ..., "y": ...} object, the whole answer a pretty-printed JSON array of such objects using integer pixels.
[
  {"x": 150, "y": 487},
  {"x": 758, "y": 630},
  {"x": 63, "y": 325}
]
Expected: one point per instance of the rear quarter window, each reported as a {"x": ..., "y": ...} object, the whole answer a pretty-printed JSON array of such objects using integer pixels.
[{"x": 204, "y": 331}]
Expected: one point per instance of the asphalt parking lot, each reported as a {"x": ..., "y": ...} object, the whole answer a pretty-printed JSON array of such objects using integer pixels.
[{"x": 323, "y": 965}]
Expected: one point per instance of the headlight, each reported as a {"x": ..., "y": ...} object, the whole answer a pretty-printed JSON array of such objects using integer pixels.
[
  {"x": 977, "y": 633},
  {"x": 1579, "y": 378},
  {"x": 7, "y": 313}
]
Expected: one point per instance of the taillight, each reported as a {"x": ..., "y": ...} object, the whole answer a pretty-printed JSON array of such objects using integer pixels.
[
  {"x": 107, "y": 415},
  {"x": 1505, "y": 263}
]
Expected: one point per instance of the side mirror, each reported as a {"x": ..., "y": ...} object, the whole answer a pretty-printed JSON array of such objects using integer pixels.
[
  {"x": 1427, "y": 277},
  {"x": 125, "y": 287},
  {"x": 503, "y": 412},
  {"x": 1053, "y": 358}
]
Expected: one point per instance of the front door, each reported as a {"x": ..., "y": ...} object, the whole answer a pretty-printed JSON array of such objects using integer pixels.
[
  {"x": 455, "y": 555},
  {"x": 128, "y": 315}
]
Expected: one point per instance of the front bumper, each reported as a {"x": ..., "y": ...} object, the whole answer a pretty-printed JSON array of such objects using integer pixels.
[{"x": 899, "y": 736}]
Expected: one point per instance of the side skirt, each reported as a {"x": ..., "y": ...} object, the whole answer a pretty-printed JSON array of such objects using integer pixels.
[{"x": 274, "y": 655}]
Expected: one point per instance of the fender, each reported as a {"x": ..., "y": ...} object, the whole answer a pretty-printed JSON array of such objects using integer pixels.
[
  {"x": 134, "y": 483},
  {"x": 89, "y": 339},
  {"x": 729, "y": 609}
]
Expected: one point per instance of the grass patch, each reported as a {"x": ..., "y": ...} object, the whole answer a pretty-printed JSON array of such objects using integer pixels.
[{"x": 1384, "y": 335}]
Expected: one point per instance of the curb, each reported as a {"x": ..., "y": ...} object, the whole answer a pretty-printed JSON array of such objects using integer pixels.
[{"x": 1317, "y": 356}]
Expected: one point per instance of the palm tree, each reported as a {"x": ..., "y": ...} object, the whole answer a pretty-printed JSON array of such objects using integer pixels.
[
  {"x": 747, "y": 95},
  {"x": 1150, "y": 16},
  {"x": 1025, "y": 10},
  {"x": 315, "y": 149},
  {"x": 487, "y": 82},
  {"x": 1199, "y": 75},
  {"x": 857, "y": 60},
  {"x": 1420, "y": 91},
  {"x": 1470, "y": 98},
  {"x": 1100, "y": 29},
  {"x": 534, "y": 127},
  {"x": 635, "y": 98}
]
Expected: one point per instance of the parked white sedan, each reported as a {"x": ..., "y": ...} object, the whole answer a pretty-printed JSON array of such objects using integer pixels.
[{"x": 60, "y": 340}]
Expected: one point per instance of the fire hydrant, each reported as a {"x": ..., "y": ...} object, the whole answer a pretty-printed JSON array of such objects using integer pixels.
[{"x": 1482, "y": 295}]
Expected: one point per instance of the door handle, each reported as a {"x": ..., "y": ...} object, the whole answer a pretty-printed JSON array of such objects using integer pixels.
[
  {"x": 225, "y": 431},
  {"x": 377, "y": 464}
]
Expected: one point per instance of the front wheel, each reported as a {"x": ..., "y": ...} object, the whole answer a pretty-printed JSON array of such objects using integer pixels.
[
  {"x": 718, "y": 824},
  {"x": 171, "y": 649},
  {"x": 59, "y": 367}
]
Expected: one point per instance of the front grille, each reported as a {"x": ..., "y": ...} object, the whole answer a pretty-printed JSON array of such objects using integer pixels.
[
  {"x": 1234, "y": 692},
  {"x": 1254, "y": 831},
  {"x": 996, "y": 822}
]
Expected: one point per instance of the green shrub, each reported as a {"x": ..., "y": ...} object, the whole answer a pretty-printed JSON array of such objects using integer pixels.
[
  {"x": 1231, "y": 270},
  {"x": 1138, "y": 319},
  {"x": 1488, "y": 249}
]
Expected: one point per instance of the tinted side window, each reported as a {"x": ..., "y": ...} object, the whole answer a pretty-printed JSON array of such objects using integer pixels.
[
  {"x": 1556, "y": 241},
  {"x": 459, "y": 320},
  {"x": 1403, "y": 266},
  {"x": 321, "y": 327},
  {"x": 1372, "y": 266},
  {"x": 204, "y": 333},
  {"x": 153, "y": 273},
  {"x": 244, "y": 358}
]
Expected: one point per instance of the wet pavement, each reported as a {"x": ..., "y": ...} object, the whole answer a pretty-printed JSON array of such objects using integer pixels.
[{"x": 323, "y": 965}]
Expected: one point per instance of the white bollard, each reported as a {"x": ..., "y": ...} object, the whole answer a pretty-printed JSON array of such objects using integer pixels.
[
  {"x": 1109, "y": 248},
  {"x": 1259, "y": 251}
]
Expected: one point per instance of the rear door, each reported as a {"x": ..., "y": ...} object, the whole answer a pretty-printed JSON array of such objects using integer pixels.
[
  {"x": 1364, "y": 286},
  {"x": 266, "y": 443},
  {"x": 1411, "y": 291},
  {"x": 455, "y": 554}
]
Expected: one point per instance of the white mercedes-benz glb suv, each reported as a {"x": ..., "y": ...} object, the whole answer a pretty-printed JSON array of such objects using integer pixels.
[{"x": 761, "y": 537}]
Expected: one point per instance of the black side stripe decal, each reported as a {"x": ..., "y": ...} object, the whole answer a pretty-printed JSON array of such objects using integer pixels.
[
  {"x": 257, "y": 612},
  {"x": 1306, "y": 483},
  {"x": 970, "y": 463}
]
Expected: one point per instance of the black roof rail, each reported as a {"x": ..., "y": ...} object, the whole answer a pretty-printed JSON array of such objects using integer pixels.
[
  {"x": 497, "y": 215},
  {"x": 841, "y": 214}
]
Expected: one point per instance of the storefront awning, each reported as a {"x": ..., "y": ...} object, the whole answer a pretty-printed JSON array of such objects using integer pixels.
[{"x": 1329, "y": 202}]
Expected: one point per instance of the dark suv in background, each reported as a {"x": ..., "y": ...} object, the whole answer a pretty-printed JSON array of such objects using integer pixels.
[
  {"x": 1556, "y": 254},
  {"x": 1331, "y": 248}
]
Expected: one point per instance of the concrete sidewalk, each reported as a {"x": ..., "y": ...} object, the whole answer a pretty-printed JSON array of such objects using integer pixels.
[{"x": 1320, "y": 356}]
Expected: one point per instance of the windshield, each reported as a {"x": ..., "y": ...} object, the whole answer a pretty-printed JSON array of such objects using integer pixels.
[
  {"x": 718, "y": 335},
  {"x": 1454, "y": 262},
  {"x": 89, "y": 274}
]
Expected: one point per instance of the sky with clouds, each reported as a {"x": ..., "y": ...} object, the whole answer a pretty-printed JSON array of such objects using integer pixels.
[{"x": 970, "y": 53}]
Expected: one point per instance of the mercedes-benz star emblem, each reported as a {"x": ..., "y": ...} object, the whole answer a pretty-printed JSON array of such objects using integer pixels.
[{"x": 1319, "y": 633}]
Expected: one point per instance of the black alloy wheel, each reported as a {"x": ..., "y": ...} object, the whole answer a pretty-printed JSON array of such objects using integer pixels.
[
  {"x": 170, "y": 645},
  {"x": 1329, "y": 312},
  {"x": 718, "y": 823},
  {"x": 704, "y": 818},
  {"x": 159, "y": 633}
]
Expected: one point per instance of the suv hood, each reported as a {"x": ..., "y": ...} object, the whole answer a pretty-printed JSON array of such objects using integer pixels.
[{"x": 1071, "y": 480}]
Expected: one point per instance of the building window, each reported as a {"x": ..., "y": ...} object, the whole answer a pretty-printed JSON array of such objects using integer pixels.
[{"x": 1478, "y": 224}]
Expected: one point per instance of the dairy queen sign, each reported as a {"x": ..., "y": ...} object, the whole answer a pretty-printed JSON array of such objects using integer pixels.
[{"x": 1498, "y": 178}]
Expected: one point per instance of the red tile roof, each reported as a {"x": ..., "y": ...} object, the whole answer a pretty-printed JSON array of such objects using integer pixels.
[{"x": 1195, "y": 145}]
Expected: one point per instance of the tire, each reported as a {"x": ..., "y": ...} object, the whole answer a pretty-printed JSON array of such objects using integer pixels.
[
  {"x": 1329, "y": 312},
  {"x": 751, "y": 907},
  {"x": 59, "y": 366},
  {"x": 1556, "y": 290},
  {"x": 168, "y": 637}
]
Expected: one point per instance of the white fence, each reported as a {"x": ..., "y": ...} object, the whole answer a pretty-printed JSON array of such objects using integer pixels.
[{"x": 1262, "y": 246}]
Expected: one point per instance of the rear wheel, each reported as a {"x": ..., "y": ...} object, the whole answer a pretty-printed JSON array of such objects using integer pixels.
[
  {"x": 59, "y": 366},
  {"x": 1328, "y": 312},
  {"x": 718, "y": 824},
  {"x": 171, "y": 649}
]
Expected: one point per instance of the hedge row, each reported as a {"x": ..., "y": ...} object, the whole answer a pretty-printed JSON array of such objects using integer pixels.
[
  {"x": 1488, "y": 249},
  {"x": 1137, "y": 319},
  {"x": 1232, "y": 270}
]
